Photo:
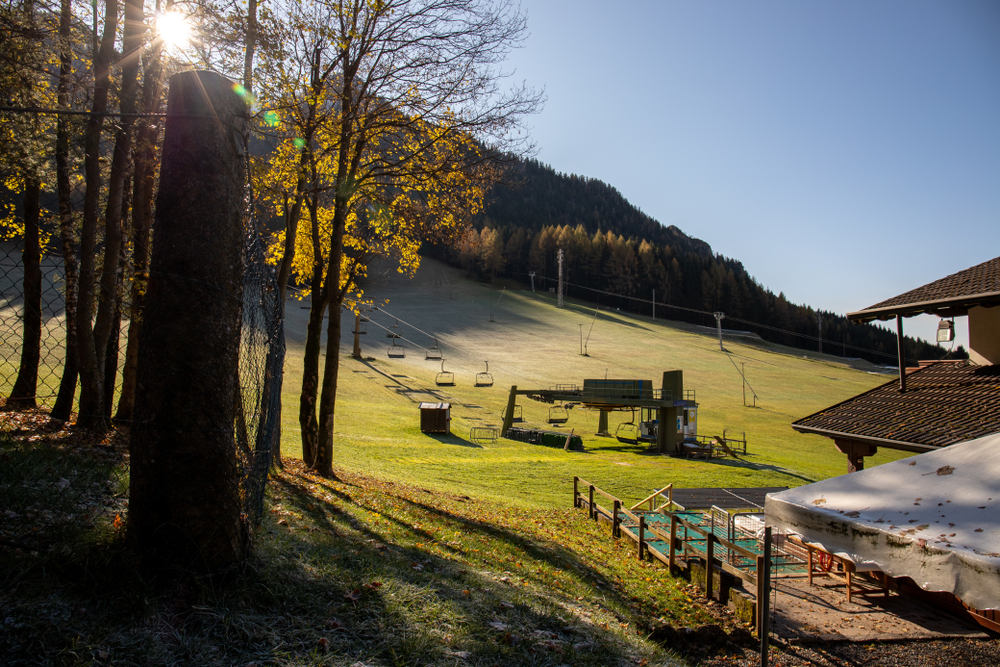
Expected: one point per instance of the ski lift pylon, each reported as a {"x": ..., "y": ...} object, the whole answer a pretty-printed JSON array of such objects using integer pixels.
[
  {"x": 444, "y": 378},
  {"x": 484, "y": 379}
]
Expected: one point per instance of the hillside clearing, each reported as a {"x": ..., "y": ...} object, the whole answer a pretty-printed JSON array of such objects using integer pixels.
[{"x": 531, "y": 343}]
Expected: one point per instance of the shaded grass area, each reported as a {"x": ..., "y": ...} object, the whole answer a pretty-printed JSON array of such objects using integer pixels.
[{"x": 346, "y": 572}]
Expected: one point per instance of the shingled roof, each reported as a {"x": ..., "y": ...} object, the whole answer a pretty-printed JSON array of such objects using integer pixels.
[
  {"x": 943, "y": 404},
  {"x": 947, "y": 297}
]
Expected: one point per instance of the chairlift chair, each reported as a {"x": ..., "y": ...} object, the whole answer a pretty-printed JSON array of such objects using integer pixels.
[
  {"x": 444, "y": 378},
  {"x": 361, "y": 329},
  {"x": 517, "y": 414},
  {"x": 484, "y": 379},
  {"x": 433, "y": 352},
  {"x": 393, "y": 331},
  {"x": 628, "y": 431},
  {"x": 396, "y": 351},
  {"x": 558, "y": 415}
]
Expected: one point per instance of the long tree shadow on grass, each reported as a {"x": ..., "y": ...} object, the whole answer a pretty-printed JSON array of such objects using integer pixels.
[
  {"x": 324, "y": 587},
  {"x": 750, "y": 465},
  {"x": 487, "y": 617}
]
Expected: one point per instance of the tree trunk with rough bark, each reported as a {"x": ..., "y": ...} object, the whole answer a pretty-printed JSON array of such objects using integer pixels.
[
  {"x": 67, "y": 385},
  {"x": 144, "y": 178},
  {"x": 90, "y": 353},
  {"x": 310, "y": 361},
  {"x": 22, "y": 396},
  {"x": 185, "y": 509},
  {"x": 108, "y": 321}
]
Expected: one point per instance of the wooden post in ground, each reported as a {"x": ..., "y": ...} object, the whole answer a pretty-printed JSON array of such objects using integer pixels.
[
  {"x": 709, "y": 557},
  {"x": 673, "y": 542},
  {"x": 508, "y": 416},
  {"x": 642, "y": 534},
  {"x": 615, "y": 530},
  {"x": 356, "y": 353},
  {"x": 184, "y": 496},
  {"x": 576, "y": 491},
  {"x": 593, "y": 512}
]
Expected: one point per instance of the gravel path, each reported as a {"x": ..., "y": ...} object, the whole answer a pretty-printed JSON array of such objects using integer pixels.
[{"x": 928, "y": 653}]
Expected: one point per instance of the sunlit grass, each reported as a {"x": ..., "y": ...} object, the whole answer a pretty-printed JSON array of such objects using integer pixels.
[{"x": 531, "y": 343}]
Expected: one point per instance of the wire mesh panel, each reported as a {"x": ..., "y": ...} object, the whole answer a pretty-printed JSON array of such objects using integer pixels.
[
  {"x": 262, "y": 355},
  {"x": 261, "y": 338},
  {"x": 52, "y": 347}
]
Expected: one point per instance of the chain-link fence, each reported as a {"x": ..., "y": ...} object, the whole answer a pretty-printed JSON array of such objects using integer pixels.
[
  {"x": 261, "y": 344},
  {"x": 52, "y": 352},
  {"x": 262, "y": 356}
]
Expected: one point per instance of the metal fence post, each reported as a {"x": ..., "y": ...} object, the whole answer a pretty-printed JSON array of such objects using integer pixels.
[{"x": 764, "y": 603}]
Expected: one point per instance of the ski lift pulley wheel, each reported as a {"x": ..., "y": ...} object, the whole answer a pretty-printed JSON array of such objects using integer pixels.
[
  {"x": 484, "y": 379},
  {"x": 444, "y": 378}
]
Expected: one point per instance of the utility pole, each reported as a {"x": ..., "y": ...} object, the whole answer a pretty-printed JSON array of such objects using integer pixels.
[
  {"x": 532, "y": 275},
  {"x": 654, "y": 304},
  {"x": 718, "y": 323},
  {"x": 560, "y": 278},
  {"x": 819, "y": 325}
]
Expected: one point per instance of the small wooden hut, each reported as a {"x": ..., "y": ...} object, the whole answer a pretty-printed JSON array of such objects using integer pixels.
[{"x": 435, "y": 417}]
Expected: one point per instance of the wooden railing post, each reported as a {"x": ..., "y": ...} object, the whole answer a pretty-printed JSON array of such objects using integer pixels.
[
  {"x": 642, "y": 536},
  {"x": 593, "y": 512},
  {"x": 615, "y": 530},
  {"x": 673, "y": 542},
  {"x": 576, "y": 491},
  {"x": 709, "y": 549}
]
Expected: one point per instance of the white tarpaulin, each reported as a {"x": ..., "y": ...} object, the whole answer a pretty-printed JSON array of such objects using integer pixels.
[{"x": 934, "y": 518}]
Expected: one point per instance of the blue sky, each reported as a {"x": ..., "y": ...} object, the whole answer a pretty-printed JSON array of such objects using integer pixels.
[{"x": 845, "y": 151}]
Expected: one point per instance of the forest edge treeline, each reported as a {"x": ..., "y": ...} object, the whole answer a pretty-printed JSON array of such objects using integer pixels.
[{"x": 617, "y": 256}]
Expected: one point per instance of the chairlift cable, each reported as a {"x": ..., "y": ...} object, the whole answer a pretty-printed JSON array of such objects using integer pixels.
[{"x": 734, "y": 319}]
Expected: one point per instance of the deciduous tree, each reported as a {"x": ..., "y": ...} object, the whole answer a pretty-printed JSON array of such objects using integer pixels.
[{"x": 418, "y": 120}]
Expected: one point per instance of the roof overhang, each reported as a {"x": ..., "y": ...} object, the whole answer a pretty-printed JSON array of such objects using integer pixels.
[
  {"x": 950, "y": 307},
  {"x": 881, "y": 442}
]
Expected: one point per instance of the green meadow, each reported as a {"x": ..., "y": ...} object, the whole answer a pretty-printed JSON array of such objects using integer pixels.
[{"x": 531, "y": 343}]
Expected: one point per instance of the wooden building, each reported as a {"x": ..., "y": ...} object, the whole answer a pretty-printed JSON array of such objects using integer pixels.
[
  {"x": 937, "y": 403},
  {"x": 435, "y": 418}
]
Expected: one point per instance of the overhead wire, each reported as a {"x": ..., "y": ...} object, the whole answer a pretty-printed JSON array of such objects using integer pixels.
[
  {"x": 452, "y": 345},
  {"x": 734, "y": 319}
]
